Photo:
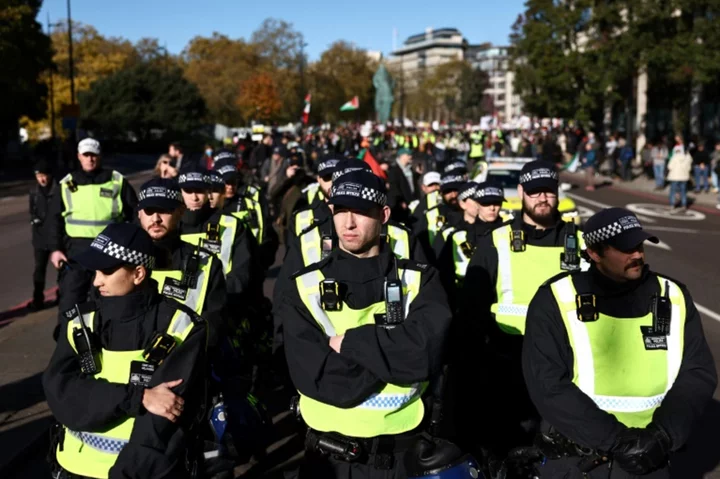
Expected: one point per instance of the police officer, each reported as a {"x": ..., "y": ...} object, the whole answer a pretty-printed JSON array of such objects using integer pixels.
[
  {"x": 446, "y": 213},
  {"x": 247, "y": 204},
  {"x": 509, "y": 265},
  {"x": 90, "y": 199},
  {"x": 364, "y": 333},
  {"x": 431, "y": 196},
  {"x": 455, "y": 246},
  {"x": 183, "y": 272},
  {"x": 125, "y": 378},
  {"x": 216, "y": 194},
  {"x": 41, "y": 197},
  {"x": 317, "y": 211},
  {"x": 223, "y": 235},
  {"x": 615, "y": 360}
]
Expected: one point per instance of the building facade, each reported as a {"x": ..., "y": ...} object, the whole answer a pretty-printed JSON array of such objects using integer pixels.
[{"x": 495, "y": 61}]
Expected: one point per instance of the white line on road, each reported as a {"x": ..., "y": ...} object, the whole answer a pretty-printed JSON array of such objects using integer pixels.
[
  {"x": 708, "y": 312},
  {"x": 597, "y": 204}
]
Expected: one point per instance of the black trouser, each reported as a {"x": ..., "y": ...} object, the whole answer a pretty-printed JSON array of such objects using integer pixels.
[
  {"x": 566, "y": 468},
  {"x": 42, "y": 256},
  {"x": 319, "y": 467}
]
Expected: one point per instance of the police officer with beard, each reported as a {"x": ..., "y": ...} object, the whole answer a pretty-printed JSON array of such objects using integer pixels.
[
  {"x": 364, "y": 333},
  {"x": 505, "y": 271},
  {"x": 615, "y": 360}
]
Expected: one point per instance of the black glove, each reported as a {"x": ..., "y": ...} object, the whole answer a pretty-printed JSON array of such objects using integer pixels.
[{"x": 640, "y": 451}]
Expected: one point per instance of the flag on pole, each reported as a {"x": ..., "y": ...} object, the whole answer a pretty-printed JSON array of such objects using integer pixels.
[
  {"x": 353, "y": 104},
  {"x": 306, "y": 110}
]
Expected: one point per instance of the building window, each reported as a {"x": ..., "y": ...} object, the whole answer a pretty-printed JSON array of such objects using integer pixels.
[
  {"x": 501, "y": 97},
  {"x": 501, "y": 85}
]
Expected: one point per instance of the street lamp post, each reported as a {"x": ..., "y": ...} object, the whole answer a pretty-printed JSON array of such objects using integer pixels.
[{"x": 70, "y": 59}]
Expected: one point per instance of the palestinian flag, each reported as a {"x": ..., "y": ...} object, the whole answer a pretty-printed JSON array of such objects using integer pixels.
[
  {"x": 306, "y": 110},
  {"x": 368, "y": 158},
  {"x": 353, "y": 104}
]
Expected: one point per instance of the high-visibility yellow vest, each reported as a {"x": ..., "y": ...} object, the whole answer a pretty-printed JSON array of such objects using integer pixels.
[
  {"x": 313, "y": 191},
  {"x": 303, "y": 220},
  {"x": 611, "y": 364},
  {"x": 251, "y": 193},
  {"x": 249, "y": 209},
  {"x": 93, "y": 453},
  {"x": 476, "y": 145},
  {"x": 193, "y": 298},
  {"x": 392, "y": 410},
  {"x": 311, "y": 244},
  {"x": 435, "y": 222},
  {"x": 519, "y": 276},
  {"x": 399, "y": 241},
  {"x": 90, "y": 208},
  {"x": 224, "y": 247},
  {"x": 462, "y": 254},
  {"x": 412, "y": 206}
]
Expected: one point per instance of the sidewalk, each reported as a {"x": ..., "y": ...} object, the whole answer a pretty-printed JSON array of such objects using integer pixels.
[
  {"x": 643, "y": 185},
  {"x": 25, "y": 350}
]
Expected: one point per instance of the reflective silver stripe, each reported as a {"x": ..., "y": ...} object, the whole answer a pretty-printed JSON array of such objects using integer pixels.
[
  {"x": 502, "y": 245},
  {"x": 512, "y": 309},
  {"x": 181, "y": 324},
  {"x": 117, "y": 183},
  {"x": 674, "y": 339},
  {"x": 391, "y": 401},
  {"x": 627, "y": 403},
  {"x": 193, "y": 298},
  {"x": 400, "y": 241},
  {"x": 303, "y": 220},
  {"x": 410, "y": 277},
  {"x": 100, "y": 443},
  {"x": 88, "y": 319},
  {"x": 447, "y": 232},
  {"x": 71, "y": 221},
  {"x": 311, "y": 244},
  {"x": 226, "y": 241},
  {"x": 461, "y": 261},
  {"x": 311, "y": 285}
]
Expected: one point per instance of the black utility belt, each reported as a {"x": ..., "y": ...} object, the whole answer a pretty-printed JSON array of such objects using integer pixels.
[{"x": 378, "y": 451}]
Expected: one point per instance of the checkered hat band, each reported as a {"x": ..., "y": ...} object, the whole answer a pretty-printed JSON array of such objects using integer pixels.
[
  {"x": 453, "y": 179},
  {"x": 193, "y": 177},
  {"x": 469, "y": 193},
  {"x": 365, "y": 193},
  {"x": 540, "y": 173},
  {"x": 327, "y": 164},
  {"x": 227, "y": 169},
  {"x": 128, "y": 255},
  {"x": 217, "y": 179},
  {"x": 483, "y": 192},
  {"x": 605, "y": 233},
  {"x": 159, "y": 192}
]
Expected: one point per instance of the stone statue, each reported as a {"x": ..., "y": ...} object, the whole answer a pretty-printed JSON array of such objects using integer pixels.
[{"x": 384, "y": 85}]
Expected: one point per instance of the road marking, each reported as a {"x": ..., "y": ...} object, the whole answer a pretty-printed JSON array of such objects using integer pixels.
[
  {"x": 663, "y": 211},
  {"x": 661, "y": 245},
  {"x": 597, "y": 204},
  {"x": 708, "y": 312}
]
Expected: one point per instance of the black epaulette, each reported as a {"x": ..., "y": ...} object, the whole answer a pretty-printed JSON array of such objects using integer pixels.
[
  {"x": 319, "y": 265},
  {"x": 679, "y": 283},
  {"x": 413, "y": 265},
  {"x": 177, "y": 305},
  {"x": 314, "y": 224},
  {"x": 85, "y": 308}
]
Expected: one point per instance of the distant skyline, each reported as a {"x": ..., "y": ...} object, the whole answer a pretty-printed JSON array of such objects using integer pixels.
[{"x": 368, "y": 25}]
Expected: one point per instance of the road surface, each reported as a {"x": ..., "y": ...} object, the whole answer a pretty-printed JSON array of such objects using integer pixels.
[{"x": 688, "y": 253}]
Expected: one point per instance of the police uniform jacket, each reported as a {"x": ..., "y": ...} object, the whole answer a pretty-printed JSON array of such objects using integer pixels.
[
  {"x": 41, "y": 199},
  {"x": 482, "y": 271},
  {"x": 245, "y": 265},
  {"x": 58, "y": 239},
  {"x": 321, "y": 212},
  {"x": 453, "y": 217},
  {"x": 370, "y": 356},
  {"x": 172, "y": 253},
  {"x": 83, "y": 403},
  {"x": 547, "y": 361}
]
